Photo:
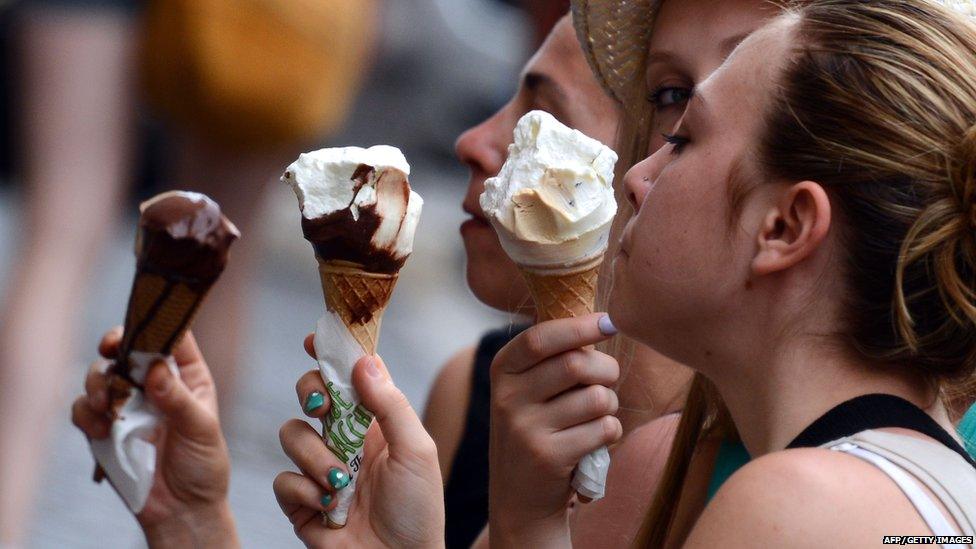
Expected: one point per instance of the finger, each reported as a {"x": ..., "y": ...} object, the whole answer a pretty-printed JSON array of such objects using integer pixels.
[
  {"x": 94, "y": 424},
  {"x": 548, "y": 339},
  {"x": 310, "y": 345},
  {"x": 306, "y": 449},
  {"x": 96, "y": 386},
  {"x": 184, "y": 413},
  {"x": 581, "y": 406},
  {"x": 568, "y": 370},
  {"x": 582, "y": 439},
  {"x": 186, "y": 351},
  {"x": 108, "y": 347},
  {"x": 312, "y": 394},
  {"x": 401, "y": 427},
  {"x": 294, "y": 491}
]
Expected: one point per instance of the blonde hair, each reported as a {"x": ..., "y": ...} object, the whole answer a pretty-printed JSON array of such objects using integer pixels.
[{"x": 878, "y": 105}]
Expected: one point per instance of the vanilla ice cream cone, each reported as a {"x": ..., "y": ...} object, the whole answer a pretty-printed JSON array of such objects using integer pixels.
[
  {"x": 358, "y": 297},
  {"x": 563, "y": 293},
  {"x": 552, "y": 204}
]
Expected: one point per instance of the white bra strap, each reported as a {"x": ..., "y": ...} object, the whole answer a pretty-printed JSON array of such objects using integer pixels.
[{"x": 929, "y": 511}]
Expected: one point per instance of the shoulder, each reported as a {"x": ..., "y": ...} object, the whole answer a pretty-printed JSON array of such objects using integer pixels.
[
  {"x": 453, "y": 382},
  {"x": 447, "y": 406},
  {"x": 806, "y": 497},
  {"x": 650, "y": 441},
  {"x": 638, "y": 461}
]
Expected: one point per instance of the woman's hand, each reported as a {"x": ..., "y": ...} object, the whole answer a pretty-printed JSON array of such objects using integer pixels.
[
  {"x": 551, "y": 404},
  {"x": 399, "y": 500},
  {"x": 187, "y": 505}
]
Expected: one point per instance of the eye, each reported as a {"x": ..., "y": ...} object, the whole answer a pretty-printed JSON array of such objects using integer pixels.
[
  {"x": 677, "y": 141},
  {"x": 669, "y": 96}
]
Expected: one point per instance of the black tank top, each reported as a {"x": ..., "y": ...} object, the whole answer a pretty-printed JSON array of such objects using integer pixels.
[
  {"x": 874, "y": 412},
  {"x": 466, "y": 492}
]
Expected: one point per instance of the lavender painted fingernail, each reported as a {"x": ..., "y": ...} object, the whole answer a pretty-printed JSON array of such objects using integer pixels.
[{"x": 606, "y": 326}]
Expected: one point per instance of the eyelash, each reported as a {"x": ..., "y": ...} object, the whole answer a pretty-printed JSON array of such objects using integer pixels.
[{"x": 678, "y": 141}]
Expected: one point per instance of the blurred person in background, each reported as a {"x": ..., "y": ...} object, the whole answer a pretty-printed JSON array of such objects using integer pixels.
[
  {"x": 237, "y": 88},
  {"x": 76, "y": 136}
]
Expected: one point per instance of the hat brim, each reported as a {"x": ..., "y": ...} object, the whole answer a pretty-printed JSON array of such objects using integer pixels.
[{"x": 614, "y": 35}]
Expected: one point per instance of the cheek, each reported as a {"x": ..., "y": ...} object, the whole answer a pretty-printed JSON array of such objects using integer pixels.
[{"x": 680, "y": 238}]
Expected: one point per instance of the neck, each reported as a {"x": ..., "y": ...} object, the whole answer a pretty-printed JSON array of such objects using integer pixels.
[
  {"x": 774, "y": 398},
  {"x": 651, "y": 385}
]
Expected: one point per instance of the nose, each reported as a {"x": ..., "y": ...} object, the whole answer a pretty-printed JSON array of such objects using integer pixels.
[
  {"x": 639, "y": 180},
  {"x": 483, "y": 150}
]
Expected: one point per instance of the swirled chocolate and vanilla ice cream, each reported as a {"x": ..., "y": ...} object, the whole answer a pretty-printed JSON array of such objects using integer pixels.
[
  {"x": 357, "y": 205},
  {"x": 182, "y": 246},
  {"x": 360, "y": 216},
  {"x": 552, "y": 205}
]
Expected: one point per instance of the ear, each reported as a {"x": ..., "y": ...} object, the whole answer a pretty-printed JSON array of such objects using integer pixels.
[{"x": 794, "y": 229}]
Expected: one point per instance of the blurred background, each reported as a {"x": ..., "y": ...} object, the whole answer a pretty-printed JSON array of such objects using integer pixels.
[{"x": 105, "y": 103}]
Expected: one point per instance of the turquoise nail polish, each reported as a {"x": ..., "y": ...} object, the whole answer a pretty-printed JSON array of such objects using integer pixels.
[
  {"x": 338, "y": 478},
  {"x": 313, "y": 402},
  {"x": 326, "y": 500}
]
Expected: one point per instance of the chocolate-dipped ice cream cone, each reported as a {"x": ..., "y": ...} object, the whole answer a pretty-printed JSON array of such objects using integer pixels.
[
  {"x": 181, "y": 249},
  {"x": 360, "y": 216}
]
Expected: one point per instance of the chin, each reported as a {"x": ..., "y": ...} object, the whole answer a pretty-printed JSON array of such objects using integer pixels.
[
  {"x": 492, "y": 276},
  {"x": 497, "y": 283}
]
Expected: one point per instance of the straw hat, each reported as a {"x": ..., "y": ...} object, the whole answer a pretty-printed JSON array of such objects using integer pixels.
[{"x": 615, "y": 33}]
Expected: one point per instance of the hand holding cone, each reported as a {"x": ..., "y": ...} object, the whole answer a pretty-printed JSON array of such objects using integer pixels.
[
  {"x": 360, "y": 216},
  {"x": 181, "y": 249},
  {"x": 552, "y": 205}
]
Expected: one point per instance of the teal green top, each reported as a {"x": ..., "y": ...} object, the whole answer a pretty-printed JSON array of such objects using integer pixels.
[
  {"x": 732, "y": 455},
  {"x": 967, "y": 430}
]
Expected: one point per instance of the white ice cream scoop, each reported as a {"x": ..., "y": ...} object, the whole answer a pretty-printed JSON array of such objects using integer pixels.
[{"x": 552, "y": 202}]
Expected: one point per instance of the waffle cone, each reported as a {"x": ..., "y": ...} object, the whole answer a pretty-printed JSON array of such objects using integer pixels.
[
  {"x": 358, "y": 297},
  {"x": 160, "y": 311},
  {"x": 564, "y": 292}
]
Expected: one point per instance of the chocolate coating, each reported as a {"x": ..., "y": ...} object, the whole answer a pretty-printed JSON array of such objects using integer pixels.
[
  {"x": 184, "y": 235},
  {"x": 338, "y": 236}
]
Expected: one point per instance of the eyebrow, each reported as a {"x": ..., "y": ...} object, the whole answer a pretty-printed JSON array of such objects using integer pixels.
[
  {"x": 731, "y": 43},
  {"x": 662, "y": 56},
  {"x": 537, "y": 82}
]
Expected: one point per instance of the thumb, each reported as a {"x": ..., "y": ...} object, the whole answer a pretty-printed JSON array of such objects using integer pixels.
[
  {"x": 185, "y": 414},
  {"x": 402, "y": 429}
]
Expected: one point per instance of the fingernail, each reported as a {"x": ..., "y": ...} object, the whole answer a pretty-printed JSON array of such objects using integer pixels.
[
  {"x": 606, "y": 326},
  {"x": 338, "y": 478},
  {"x": 313, "y": 402},
  {"x": 326, "y": 500},
  {"x": 371, "y": 369}
]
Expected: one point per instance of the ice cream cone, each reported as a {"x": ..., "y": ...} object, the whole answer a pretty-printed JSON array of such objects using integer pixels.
[
  {"x": 358, "y": 297},
  {"x": 565, "y": 292},
  {"x": 160, "y": 311}
]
